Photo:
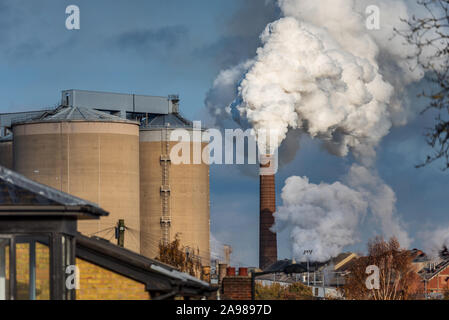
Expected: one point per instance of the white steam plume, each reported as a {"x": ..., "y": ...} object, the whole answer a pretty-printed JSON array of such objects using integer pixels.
[
  {"x": 382, "y": 202},
  {"x": 435, "y": 241},
  {"x": 320, "y": 70},
  {"x": 323, "y": 218}
]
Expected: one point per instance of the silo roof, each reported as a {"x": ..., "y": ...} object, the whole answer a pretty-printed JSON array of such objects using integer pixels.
[
  {"x": 67, "y": 114},
  {"x": 172, "y": 120}
]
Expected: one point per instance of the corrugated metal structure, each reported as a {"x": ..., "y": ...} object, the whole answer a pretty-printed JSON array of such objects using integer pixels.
[
  {"x": 174, "y": 198},
  {"x": 87, "y": 153},
  {"x": 123, "y": 104}
]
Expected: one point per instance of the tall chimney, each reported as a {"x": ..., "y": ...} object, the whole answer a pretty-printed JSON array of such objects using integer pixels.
[{"x": 267, "y": 238}]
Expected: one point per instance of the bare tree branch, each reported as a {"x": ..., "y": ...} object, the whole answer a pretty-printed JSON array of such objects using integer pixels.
[{"x": 432, "y": 32}]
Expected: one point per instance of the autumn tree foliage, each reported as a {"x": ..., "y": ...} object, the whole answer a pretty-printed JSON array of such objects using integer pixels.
[
  {"x": 398, "y": 279},
  {"x": 276, "y": 291},
  {"x": 179, "y": 257}
]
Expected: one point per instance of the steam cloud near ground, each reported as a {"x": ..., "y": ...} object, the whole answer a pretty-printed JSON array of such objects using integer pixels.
[{"x": 321, "y": 71}]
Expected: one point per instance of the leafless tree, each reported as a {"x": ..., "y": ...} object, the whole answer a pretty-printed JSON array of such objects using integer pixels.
[
  {"x": 430, "y": 33},
  {"x": 398, "y": 279}
]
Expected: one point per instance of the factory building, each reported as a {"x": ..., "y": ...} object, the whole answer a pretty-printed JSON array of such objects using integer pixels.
[{"x": 114, "y": 150}]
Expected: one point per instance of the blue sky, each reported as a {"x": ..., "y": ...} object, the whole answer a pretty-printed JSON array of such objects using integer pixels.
[{"x": 174, "y": 46}]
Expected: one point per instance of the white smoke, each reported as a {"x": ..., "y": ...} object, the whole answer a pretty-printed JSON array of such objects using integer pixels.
[
  {"x": 323, "y": 218},
  {"x": 382, "y": 202},
  {"x": 224, "y": 89},
  {"x": 216, "y": 249},
  {"x": 320, "y": 70},
  {"x": 435, "y": 241}
]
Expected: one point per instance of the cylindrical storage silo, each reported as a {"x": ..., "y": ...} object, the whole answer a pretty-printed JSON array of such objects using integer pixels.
[
  {"x": 6, "y": 152},
  {"x": 89, "y": 154},
  {"x": 174, "y": 198}
]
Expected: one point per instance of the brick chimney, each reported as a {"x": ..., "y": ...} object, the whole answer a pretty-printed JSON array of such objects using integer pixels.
[
  {"x": 236, "y": 287},
  {"x": 267, "y": 238}
]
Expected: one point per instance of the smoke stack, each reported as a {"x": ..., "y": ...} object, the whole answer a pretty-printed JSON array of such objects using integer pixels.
[{"x": 267, "y": 238}]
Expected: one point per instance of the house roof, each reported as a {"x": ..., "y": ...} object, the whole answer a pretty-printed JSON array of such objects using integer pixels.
[
  {"x": 340, "y": 263},
  {"x": 157, "y": 276},
  {"x": 22, "y": 196},
  {"x": 277, "y": 277},
  {"x": 419, "y": 256},
  {"x": 429, "y": 274},
  {"x": 288, "y": 266}
]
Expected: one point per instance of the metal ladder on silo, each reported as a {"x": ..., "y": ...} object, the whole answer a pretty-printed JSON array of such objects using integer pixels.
[{"x": 165, "y": 188}]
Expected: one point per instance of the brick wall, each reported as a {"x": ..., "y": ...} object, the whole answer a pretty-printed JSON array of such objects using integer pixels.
[
  {"x": 23, "y": 271},
  {"x": 440, "y": 283},
  {"x": 236, "y": 288},
  {"x": 97, "y": 283}
]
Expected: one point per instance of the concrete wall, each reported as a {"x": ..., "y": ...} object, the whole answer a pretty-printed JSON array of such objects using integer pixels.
[
  {"x": 95, "y": 161},
  {"x": 189, "y": 199},
  {"x": 6, "y": 154}
]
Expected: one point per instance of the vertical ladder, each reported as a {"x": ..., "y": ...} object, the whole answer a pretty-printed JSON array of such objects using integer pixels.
[{"x": 165, "y": 187}]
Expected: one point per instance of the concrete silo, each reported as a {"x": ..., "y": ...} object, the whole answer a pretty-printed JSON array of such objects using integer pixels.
[
  {"x": 174, "y": 198},
  {"x": 6, "y": 152},
  {"x": 90, "y": 154}
]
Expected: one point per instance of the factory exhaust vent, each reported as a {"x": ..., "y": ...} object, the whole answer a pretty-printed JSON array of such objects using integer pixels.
[{"x": 267, "y": 238}]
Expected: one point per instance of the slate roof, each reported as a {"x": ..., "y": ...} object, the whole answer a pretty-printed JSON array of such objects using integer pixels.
[
  {"x": 277, "y": 277},
  {"x": 156, "y": 275},
  {"x": 429, "y": 274},
  {"x": 313, "y": 265},
  {"x": 288, "y": 266},
  {"x": 20, "y": 195}
]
